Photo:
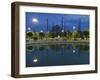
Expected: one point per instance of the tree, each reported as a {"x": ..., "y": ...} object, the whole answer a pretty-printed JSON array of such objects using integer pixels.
[
  {"x": 74, "y": 35},
  {"x": 29, "y": 35},
  {"x": 81, "y": 35},
  {"x": 68, "y": 34},
  {"x": 86, "y": 34},
  {"x": 35, "y": 38},
  {"x": 41, "y": 48},
  {"x": 63, "y": 34},
  {"x": 41, "y": 35},
  {"x": 51, "y": 35}
]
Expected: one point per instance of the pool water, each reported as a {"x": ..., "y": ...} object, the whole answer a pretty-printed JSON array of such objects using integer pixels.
[{"x": 56, "y": 54}]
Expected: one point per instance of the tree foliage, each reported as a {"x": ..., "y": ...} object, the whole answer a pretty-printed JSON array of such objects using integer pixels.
[
  {"x": 41, "y": 35},
  {"x": 86, "y": 34},
  {"x": 29, "y": 35}
]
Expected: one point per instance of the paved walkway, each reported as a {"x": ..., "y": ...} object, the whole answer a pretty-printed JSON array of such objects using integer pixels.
[{"x": 55, "y": 42}]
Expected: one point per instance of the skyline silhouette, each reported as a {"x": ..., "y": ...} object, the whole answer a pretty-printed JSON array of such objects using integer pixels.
[{"x": 46, "y": 21}]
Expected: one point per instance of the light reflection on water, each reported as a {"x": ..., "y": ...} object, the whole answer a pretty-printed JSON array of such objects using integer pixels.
[{"x": 57, "y": 54}]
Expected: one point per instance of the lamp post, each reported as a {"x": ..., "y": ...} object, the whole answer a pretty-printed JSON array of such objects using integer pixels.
[
  {"x": 41, "y": 34},
  {"x": 34, "y": 21},
  {"x": 41, "y": 31},
  {"x": 29, "y": 29},
  {"x": 62, "y": 34},
  {"x": 29, "y": 33},
  {"x": 74, "y": 28}
]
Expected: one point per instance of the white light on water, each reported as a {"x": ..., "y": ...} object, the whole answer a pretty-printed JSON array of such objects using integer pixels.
[
  {"x": 35, "y": 60},
  {"x": 74, "y": 51}
]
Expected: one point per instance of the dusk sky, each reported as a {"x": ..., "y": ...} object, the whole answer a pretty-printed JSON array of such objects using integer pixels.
[{"x": 38, "y": 21}]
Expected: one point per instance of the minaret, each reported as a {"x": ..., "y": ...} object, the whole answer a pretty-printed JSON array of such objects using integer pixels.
[
  {"x": 47, "y": 28},
  {"x": 62, "y": 22},
  {"x": 79, "y": 24},
  {"x": 47, "y": 23}
]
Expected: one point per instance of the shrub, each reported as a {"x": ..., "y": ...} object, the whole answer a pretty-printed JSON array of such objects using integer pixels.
[{"x": 35, "y": 38}]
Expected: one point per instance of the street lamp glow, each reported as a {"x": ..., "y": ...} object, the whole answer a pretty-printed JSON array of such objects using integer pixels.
[
  {"x": 74, "y": 27},
  {"x": 62, "y": 31},
  {"x": 35, "y": 20},
  {"x": 29, "y": 28},
  {"x": 41, "y": 31}
]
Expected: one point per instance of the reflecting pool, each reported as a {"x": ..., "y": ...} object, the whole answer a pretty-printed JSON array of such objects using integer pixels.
[{"x": 56, "y": 54}]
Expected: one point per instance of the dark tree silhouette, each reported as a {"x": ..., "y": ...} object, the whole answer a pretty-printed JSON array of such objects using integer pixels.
[
  {"x": 29, "y": 35},
  {"x": 41, "y": 35},
  {"x": 63, "y": 34},
  {"x": 51, "y": 35},
  {"x": 86, "y": 34},
  {"x": 68, "y": 33},
  {"x": 81, "y": 35},
  {"x": 35, "y": 38}
]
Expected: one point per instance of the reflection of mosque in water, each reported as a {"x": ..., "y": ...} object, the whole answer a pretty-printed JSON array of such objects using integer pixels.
[
  {"x": 57, "y": 54},
  {"x": 63, "y": 48}
]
